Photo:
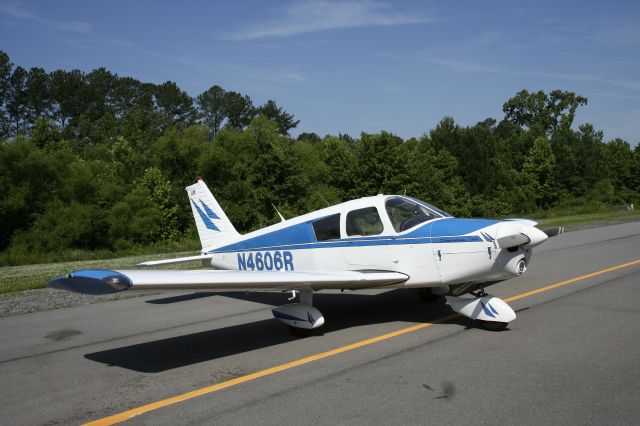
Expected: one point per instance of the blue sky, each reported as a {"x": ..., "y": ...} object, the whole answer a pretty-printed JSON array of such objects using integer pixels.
[{"x": 352, "y": 66}]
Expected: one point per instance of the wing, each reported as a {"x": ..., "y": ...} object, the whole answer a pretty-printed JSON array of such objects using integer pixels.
[{"x": 100, "y": 281}]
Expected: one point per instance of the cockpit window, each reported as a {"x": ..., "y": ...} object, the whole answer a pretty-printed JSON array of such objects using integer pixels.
[
  {"x": 405, "y": 213},
  {"x": 363, "y": 222},
  {"x": 327, "y": 228}
]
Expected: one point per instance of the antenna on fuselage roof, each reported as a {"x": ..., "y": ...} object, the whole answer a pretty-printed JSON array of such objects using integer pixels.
[
  {"x": 405, "y": 193},
  {"x": 324, "y": 199},
  {"x": 281, "y": 217}
]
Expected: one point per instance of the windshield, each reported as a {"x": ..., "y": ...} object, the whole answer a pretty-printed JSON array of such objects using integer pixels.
[
  {"x": 406, "y": 213},
  {"x": 431, "y": 207}
]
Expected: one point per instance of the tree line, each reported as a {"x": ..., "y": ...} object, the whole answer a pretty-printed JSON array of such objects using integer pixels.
[{"x": 93, "y": 162}]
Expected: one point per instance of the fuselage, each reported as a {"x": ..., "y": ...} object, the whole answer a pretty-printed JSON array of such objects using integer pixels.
[{"x": 390, "y": 233}]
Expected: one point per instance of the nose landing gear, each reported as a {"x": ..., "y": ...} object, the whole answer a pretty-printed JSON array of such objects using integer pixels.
[{"x": 490, "y": 311}]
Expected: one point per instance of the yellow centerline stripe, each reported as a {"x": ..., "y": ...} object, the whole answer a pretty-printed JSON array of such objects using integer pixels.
[
  {"x": 125, "y": 415},
  {"x": 571, "y": 280}
]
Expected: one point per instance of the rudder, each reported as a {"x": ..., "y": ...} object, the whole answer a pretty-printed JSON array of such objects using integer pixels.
[{"x": 212, "y": 223}]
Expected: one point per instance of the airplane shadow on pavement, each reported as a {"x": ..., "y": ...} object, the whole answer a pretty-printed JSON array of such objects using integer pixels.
[{"x": 341, "y": 311}]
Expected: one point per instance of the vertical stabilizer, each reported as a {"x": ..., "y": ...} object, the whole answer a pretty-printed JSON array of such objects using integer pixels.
[{"x": 213, "y": 224}]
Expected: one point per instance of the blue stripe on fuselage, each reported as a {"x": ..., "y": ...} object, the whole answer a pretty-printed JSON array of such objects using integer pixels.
[
  {"x": 301, "y": 236},
  {"x": 458, "y": 226}
]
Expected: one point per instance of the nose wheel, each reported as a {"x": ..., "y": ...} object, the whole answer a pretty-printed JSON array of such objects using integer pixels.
[
  {"x": 491, "y": 312},
  {"x": 427, "y": 296}
]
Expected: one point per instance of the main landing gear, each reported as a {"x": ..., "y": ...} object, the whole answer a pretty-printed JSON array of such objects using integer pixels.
[
  {"x": 427, "y": 296},
  {"x": 301, "y": 317}
]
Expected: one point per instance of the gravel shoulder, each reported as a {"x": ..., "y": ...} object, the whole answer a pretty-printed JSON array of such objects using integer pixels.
[{"x": 45, "y": 299}]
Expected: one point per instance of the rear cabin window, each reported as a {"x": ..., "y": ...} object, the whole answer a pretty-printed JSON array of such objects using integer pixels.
[
  {"x": 363, "y": 222},
  {"x": 327, "y": 228},
  {"x": 405, "y": 214}
]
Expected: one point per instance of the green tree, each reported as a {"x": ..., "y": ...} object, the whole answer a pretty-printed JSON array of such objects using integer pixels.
[
  {"x": 284, "y": 120},
  {"x": 17, "y": 100},
  {"x": 635, "y": 179},
  {"x": 590, "y": 154},
  {"x": 211, "y": 104},
  {"x": 29, "y": 180},
  {"x": 619, "y": 158},
  {"x": 239, "y": 110},
  {"x": 539, "y": 169},
  {"x": 177, "y": 152},
  {"x": 45, "y": 134},
  {"x": 68, "y": 97},
  {"x": 543, "y": 114},
  {"x": 38, "y": 95},
  {"x": 378, "y": 163},
  {"x": 174, "y": 105},
  {"x": 160, "y": 191},
  {"x": 432, "y": 177},
  {"x": 342, "y": 167},
  {"x": 62, "y": 226},
  {"x": 134, "y": 220},
  {"x": 6, "y": 68}
]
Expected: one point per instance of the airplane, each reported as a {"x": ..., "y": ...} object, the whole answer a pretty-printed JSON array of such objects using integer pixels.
[{"x": 383, "y": 241}]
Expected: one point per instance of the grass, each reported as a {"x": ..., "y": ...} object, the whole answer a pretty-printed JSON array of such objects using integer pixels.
[
  {"x": 12, "y": 258},
  {"x": 617, "y": 216},
  {"x": 25, "y": 277}
]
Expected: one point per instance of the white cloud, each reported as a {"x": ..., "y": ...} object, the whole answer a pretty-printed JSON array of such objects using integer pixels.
[
  {"x": 267, "y": 74},
  {"x": 15, "y": 11},
  {"x": 321, "y": 15},
  {"x": 473, "y": 67}
]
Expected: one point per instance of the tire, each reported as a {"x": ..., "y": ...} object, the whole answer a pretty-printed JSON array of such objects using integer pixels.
[
  {"x": 494, "y": 326},
  {"x": 428, "y": 297},
  {"x": 300, "y": 332}
]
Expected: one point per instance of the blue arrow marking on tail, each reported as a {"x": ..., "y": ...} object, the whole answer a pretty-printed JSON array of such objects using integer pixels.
[
  {"x": 209, "y": 212},
  {"x": 207, "y": 222}
]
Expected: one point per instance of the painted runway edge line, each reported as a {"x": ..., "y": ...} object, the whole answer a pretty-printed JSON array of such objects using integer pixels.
[{"x": 128, "y": 414}]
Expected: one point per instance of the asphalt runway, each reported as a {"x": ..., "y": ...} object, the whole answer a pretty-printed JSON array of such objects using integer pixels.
[{"x": 571, "y": 357}]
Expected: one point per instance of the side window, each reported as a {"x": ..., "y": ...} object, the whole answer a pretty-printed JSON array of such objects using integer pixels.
[
  {"x": 327, "y": 228},
  {"x": 364, "y": 222}
]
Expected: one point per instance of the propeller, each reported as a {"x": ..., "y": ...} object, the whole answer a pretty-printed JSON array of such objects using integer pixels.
[
  {"x": 552, "y": 232},
  {"x": 516, "y": 233}
]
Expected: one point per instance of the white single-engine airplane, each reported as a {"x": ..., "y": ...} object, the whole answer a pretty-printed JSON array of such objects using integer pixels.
[{"x": 385, "y": 241}]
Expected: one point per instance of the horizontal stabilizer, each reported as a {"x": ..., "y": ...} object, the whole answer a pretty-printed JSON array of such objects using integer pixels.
[
  {"x": 175, "y": 260},
  {"x": 107, "y": 281}
]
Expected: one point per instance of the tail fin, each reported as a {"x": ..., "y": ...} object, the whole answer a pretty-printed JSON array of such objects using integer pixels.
[{"x": 213, "y": 224}]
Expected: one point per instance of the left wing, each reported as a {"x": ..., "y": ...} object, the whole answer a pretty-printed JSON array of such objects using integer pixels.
[{"x": 102, "y": 281}]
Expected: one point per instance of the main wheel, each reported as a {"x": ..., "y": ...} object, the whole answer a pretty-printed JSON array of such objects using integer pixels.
[
  {"x": 493, "y": 325},
  {"x": 427, "y": 296}
]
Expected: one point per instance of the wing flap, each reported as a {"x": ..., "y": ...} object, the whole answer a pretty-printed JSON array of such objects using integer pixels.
[{"x": 106, "y": 281}]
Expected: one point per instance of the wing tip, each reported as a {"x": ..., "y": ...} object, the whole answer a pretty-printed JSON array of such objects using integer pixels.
[{"x": 92, "y": 282}]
